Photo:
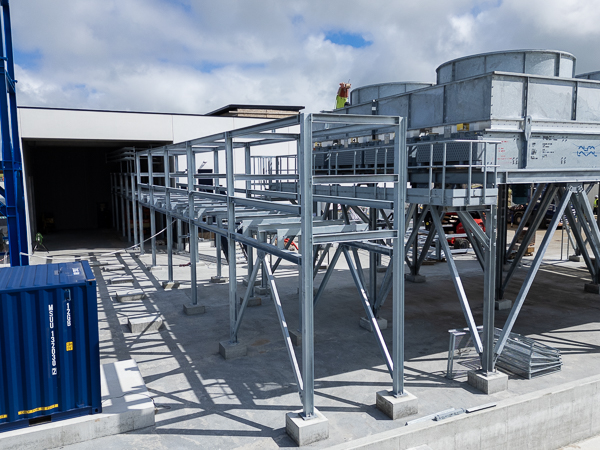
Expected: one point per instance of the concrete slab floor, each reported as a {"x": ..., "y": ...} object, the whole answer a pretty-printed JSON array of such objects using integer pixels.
[{"x": 208, "y": 402}]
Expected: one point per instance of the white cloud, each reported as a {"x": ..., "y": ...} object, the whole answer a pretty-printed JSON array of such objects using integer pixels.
[{"x": 197, "y": 55}]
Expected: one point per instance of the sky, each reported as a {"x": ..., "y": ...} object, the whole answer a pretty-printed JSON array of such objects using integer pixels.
[{"x": 194, "y": 56}]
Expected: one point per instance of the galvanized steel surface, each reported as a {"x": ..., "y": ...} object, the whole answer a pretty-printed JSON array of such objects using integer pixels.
[
  {"x": 49, "y": 347},
  {"x": 371, "y": 92},
  {"x": 549, "y": 63}
]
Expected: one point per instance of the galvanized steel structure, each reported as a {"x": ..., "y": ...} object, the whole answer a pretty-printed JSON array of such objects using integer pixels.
[
  {"x": 546, "y": 126},
  {"x": 281, "y": 207},
  {"x": 492, "y": 120}
]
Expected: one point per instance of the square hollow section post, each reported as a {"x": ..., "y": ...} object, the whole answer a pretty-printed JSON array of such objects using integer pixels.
[
  {"x": 489, "y": 293},
  {"x": 169, "y": 218},
  {"x": 300, "y": 169},
  {"x": 191, "y": 164},
  {"x": 127, "y": 209},
  {"x": 133, "y": 202},
  {"x": 501, "y": 237},
  {"x": 138, "y": 169},
  {"x": 248, "y": 168},
  {"x": 179, "y": 223},
  {"x": 229, "y": 168},
  {"x": 217, "y": 237},
  {"x": 112, "y": 199},
  {"x": 306, "y": 268},
  {"x": 401, "y": 169},
  {"x": 152, "y": 210},
  {"x": 373, "y": 263},
  {"x": 122, "y": 195}
]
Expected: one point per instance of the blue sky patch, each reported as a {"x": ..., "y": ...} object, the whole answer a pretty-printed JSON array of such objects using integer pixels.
[
  {"x": 183, "y": 4},
  {"x": 27, "y": 60},
  {"x": 355, "y": 40},
  {"x": 208, "y": 66},
  {"x": 484, "y": 6}
]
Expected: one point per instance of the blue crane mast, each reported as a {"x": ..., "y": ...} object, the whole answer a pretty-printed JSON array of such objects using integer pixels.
[{"x": 13, "y": 206}]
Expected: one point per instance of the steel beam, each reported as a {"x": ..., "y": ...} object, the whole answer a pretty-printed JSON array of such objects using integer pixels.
[
  {"x": 537, "y": 261},
  {"x": 369, "y": 311},
  {"x": 462, "y": 296},
  {"x": 328, "y": 273},
  {"x": 544, "y": 204},
  {"x": 528, "y": 211},
  {"x": 284, "y": 328}
]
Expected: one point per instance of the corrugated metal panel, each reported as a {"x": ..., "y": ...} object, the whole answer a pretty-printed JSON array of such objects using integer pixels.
[{"x": 49, "y": 345}]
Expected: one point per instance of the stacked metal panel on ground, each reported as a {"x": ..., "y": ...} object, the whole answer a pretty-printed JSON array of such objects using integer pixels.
[{"x": 527, "y": 357}]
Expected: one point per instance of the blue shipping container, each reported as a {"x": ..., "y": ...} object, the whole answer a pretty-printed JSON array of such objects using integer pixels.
[{"x": 49, "y": 345}]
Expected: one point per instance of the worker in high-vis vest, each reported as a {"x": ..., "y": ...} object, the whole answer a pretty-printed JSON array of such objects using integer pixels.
[{"x": 342, "y": 95}]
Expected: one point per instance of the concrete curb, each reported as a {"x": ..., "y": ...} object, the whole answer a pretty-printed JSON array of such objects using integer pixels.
[
  {"x": 549, "y": 418},
  {"x": 126, "y": 406}
]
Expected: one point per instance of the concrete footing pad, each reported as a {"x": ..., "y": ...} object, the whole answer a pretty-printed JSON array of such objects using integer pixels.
[
  {"x": 262, "y": 290},
  {"x": 503, "y": 304},
  {"x": 381, "y": 269},
  {"x": 488, "y": 383},
  {"x": 367, "y": 325},
  {"x": 415, "y": 278},
  {"x": 592, "y": 288},
  {"x": 192, "y": 310},
  {"x": 126, "y": 406},
  {"x": 169, "y": 285},
  {"x": 252, "y": 301},
  {"x": 305, "y": 432},
  {"x": 397, "y": 407},
  {"x": 131, "y": 295},
  {"x": 219, "y": 280},
  {"x": 296, "y": 337},
  {"x": 575, "y": 258},
  {"x": 230, "y": 351},
  {"x": 245, "y": 282},
  {"x": 146, "y": 323}
]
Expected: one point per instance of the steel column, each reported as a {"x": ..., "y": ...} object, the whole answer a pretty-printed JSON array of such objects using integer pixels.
[
  {"x": 191, "y": 163},
  {"x": 233, "y": 305},
  {"x": 127, "y": 210},
  {"x": 489, "y": 291},
  {"x": 140, "y": 207},
  {"x": 397, "y": 261},
  {"x": 134, "y": 204},
  {"x": 501, "y": 237},
  {"x": 152, "y": 206},
  {"x": 169, "y": 218},
  {"x": 306, "y": 273},
  {"x": 122, "y": 195}
]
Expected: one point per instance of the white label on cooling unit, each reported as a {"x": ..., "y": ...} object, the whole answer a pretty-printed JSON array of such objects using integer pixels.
[{"x": 75, "y": 271}]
